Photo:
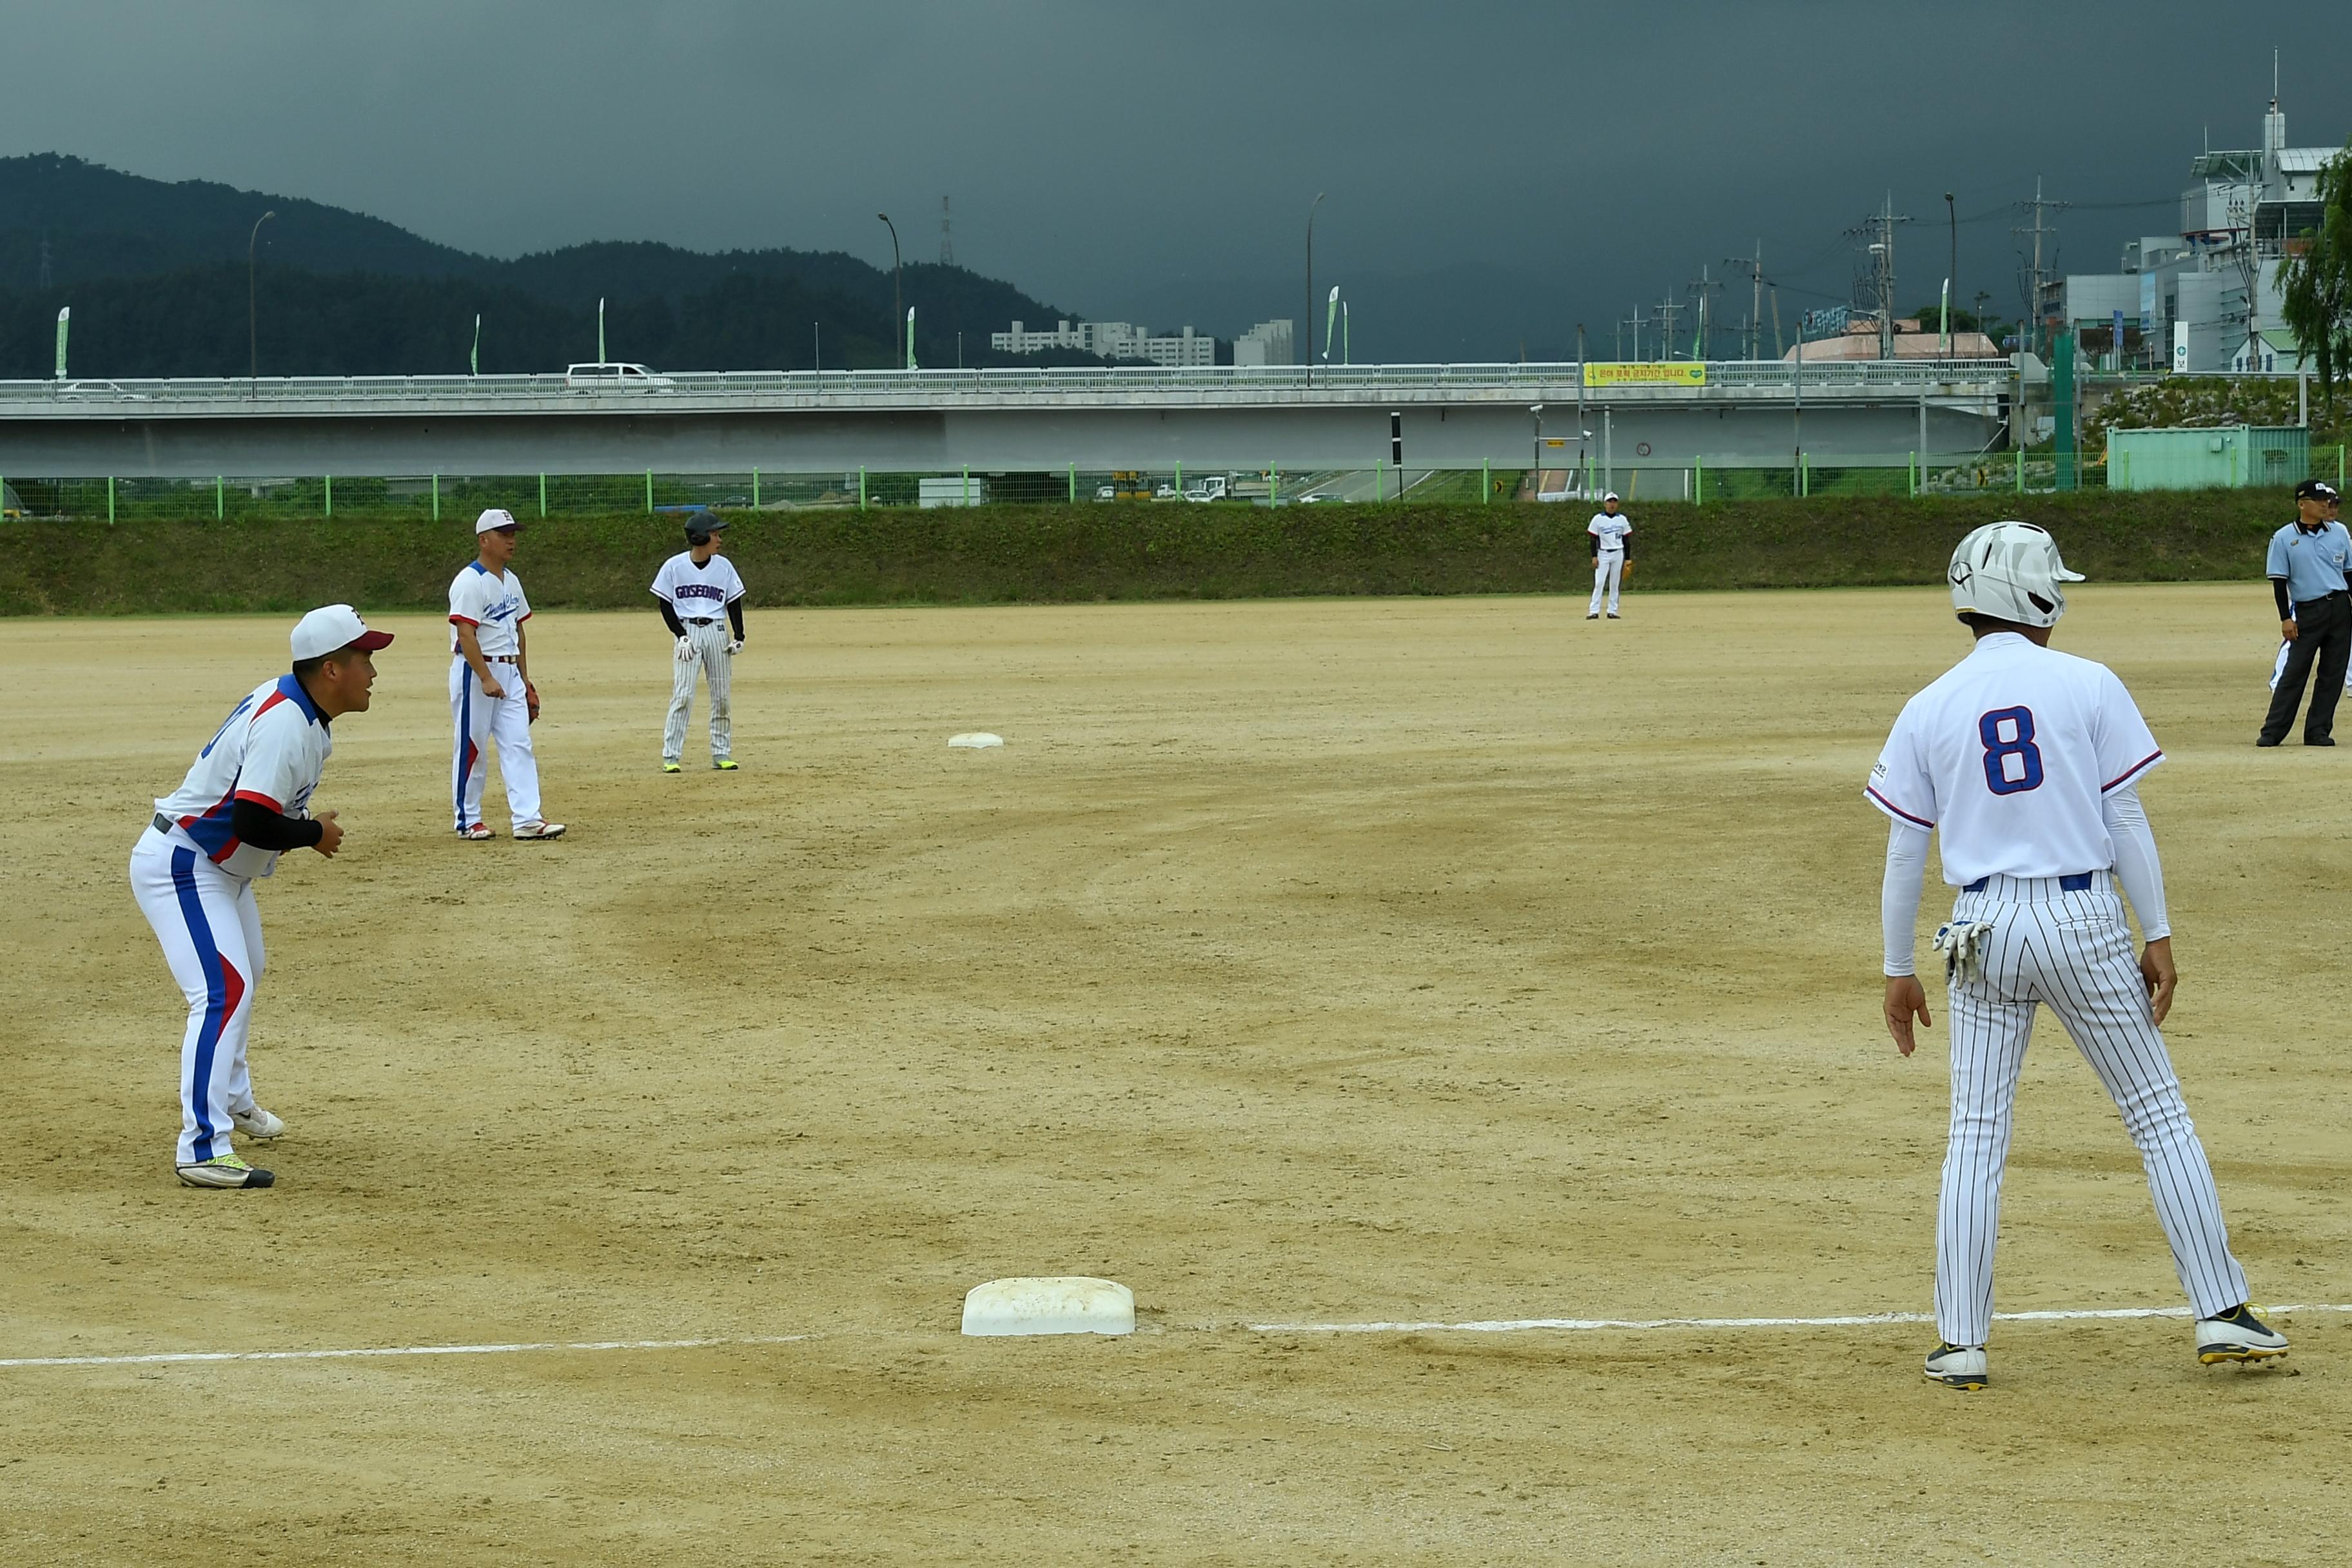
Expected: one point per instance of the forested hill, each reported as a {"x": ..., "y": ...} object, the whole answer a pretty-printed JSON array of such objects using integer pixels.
[{"x": 155, "y": 273}]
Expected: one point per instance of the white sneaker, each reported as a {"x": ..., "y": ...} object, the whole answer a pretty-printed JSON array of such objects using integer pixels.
[
  {"x": 1958, "y": 1366},
  {"x": 2237, "y": 1335},
  {"x": 257, "y": 1123},
  {"x": 530, "y": 830},
  {"x": 224, "y": 1170}
]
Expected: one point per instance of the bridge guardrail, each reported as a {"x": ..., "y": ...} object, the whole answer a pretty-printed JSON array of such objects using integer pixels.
[{"x": 120, "y": 397}]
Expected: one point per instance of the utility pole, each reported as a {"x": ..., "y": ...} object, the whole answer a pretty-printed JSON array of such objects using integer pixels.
[
  {"x": 1754, "y": 267},
  {"x": 2039, "y": 232},
  {"x": 1880, "y": 226},
  {"x": 1702, "y": 290},
  {"x": 1666, "y": 310}
]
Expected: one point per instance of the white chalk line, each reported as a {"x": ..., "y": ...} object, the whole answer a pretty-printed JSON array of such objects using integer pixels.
[
  {"x": 161, "y": 1358},
  {"x": 1645, "y": 1325},
  {"x": 1489, "y": 1326}
]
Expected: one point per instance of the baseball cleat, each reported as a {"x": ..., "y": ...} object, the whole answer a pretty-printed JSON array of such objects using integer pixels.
[
  {"x": 257, "y": 1123},
  {"x": 1615, "y": 616},
  {"x": 224, "y": 1170},
  {"x": 2237, "y": 1335},
  {"x": 530, "y": 830},
  {"x": 1958, "y": 1366},
  {"x": 476, "y": 832},
  {"x": 1594, "y": 616},
  {"x": 668, "y": 766},
  {"x": 724, "y": 765}
]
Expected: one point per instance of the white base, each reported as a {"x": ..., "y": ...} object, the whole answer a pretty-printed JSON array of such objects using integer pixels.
[
  {"x": 976, "y": 739},
  {"x": 1069, "y": 1304}
]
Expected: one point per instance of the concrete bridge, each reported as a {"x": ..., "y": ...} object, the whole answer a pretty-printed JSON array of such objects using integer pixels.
[{"x": 1742, "y": 413}]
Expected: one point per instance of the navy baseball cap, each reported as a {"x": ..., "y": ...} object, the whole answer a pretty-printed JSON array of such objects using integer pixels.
[
  {"x": 2319, "y": 489},
  {"x": 701, "y": 525}
]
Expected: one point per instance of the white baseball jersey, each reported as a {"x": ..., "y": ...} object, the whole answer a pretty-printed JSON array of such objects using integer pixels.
[
  {"x": 1610, "y": 530},
  {"x": 698, "y": 593},
  {"x": 492, "y": 604},
  {"x": 270, "y": 750},
  {"x": 2008, "y": 755}
]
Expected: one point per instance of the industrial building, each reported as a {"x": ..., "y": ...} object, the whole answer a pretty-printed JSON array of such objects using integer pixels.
[{"x": 2207, "y": 298}]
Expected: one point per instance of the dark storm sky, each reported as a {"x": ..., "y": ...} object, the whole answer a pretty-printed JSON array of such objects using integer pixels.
[{"x": 1120, "y": 159}]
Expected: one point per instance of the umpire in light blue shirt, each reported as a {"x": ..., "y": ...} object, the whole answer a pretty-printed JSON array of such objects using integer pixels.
[{"x": 2307, "y": 563}]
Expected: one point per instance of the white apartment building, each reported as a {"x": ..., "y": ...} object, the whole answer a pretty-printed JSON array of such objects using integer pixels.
[{"x": 1111, "y": 339}]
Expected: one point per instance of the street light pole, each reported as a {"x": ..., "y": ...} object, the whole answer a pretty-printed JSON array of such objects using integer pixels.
[
  {"x": 898, "y": 309},
  {"x": 1952, "y": 276},
  {"x": 1310, "y": 286},
  {"x": 252, "y": 309}
]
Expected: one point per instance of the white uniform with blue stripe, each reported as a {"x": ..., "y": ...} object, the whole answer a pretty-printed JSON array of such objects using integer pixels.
[
  {"x": 2025, "y": 761},
  {"x": 1609, "y": 533},
  {"x": 492, "y": 602},
  {"x": 194, "y": 879}
]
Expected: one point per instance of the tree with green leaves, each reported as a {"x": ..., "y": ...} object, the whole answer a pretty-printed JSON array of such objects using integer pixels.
[{"x": 2316, "y": 281}]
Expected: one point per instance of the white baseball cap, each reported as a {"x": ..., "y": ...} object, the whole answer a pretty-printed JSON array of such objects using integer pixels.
[
  {"x": 1612, "y": 495},
  {"x": 496, "y": 516},
  {"x": 332, "y": 627}
]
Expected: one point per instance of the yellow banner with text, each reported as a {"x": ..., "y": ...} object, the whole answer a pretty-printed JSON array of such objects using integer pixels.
[{"x": 1679, "y": 373}]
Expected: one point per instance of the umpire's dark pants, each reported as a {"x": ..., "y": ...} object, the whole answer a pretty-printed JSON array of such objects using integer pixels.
[{"x": 2323, "y": 637}]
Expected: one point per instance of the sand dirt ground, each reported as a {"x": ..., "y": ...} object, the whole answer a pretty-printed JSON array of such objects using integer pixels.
[{"x": 1295, "y": 961}]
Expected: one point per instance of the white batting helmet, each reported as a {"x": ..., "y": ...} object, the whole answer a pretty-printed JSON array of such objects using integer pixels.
[{"x": 2011, "y": 572}]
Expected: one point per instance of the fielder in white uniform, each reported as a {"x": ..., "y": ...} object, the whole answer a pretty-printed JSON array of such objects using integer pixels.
[
  {"x": 247, "y": 800},
  {"x": 492, "y": 703},
  {"x": 702, "y": 600},
  {"x": 1608, "y": 529},
  {"x": 2026, "y": 762}
]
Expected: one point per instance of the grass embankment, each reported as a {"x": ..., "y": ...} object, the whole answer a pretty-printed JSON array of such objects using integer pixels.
[{"x": 1015, "y": 555}]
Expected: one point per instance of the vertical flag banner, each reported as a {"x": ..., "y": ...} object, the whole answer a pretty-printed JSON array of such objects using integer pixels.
[
  {"x": 599, "y": 332},
  {"x": 910, "y": 337},
  {"x": 475, "y": 362},
  {"x": 64, "y": 317},
  {"x": 1330, "y": 319},
  {"x": 1944, "y": 338}
]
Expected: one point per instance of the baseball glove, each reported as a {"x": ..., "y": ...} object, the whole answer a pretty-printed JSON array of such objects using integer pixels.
[
  {"x": 1626, "y": 570},
  {"x": 530, "y": 700}
]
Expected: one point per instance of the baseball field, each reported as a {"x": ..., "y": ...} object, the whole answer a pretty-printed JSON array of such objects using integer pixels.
[{"x": 1303, "y": 964}]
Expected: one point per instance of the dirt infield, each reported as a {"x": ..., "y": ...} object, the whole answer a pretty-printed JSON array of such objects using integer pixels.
[{"x": 1294, "y": 961}]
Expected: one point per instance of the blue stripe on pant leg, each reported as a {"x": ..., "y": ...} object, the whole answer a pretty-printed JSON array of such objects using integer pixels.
[
  {"x": 200, "y": 931},
  {"x": 464, "y": 768}
]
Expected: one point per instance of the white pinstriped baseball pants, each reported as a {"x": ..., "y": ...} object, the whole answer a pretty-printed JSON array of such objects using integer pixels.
[
  {"x": 2071, "y": 952},
  {"x": 712, "y": 661}
]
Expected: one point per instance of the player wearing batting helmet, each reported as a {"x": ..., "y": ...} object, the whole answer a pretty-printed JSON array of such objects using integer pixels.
[{"x": 2026, "y": 762}]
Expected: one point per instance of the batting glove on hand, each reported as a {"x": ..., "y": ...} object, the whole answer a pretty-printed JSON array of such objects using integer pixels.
[
  {"x": 685, "y": 649},
  {"x": 736, "y": 647}
]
